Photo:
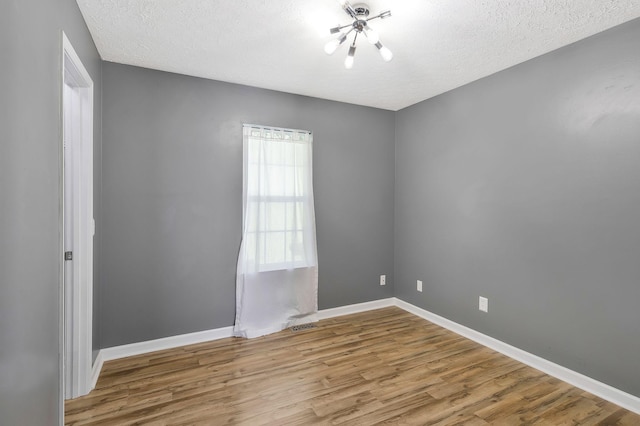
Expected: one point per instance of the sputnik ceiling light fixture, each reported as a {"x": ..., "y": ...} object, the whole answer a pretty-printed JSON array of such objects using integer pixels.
[{"x": 360, "y": 25}]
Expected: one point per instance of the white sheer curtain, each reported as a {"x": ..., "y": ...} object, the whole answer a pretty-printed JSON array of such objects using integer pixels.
[{"x": 277, "y": 276}]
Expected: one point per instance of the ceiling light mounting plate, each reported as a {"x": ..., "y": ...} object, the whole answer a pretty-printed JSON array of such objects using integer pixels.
[{"x": 361, "y": 9}]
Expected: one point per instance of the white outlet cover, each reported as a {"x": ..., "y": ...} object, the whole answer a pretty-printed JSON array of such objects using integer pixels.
[
  {"x": 419, "y": 286},
  {"x": 383, "y": 279},
  {"x": 483, "y": 304}
]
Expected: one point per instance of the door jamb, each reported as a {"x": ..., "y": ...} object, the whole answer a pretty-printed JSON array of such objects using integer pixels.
[{"x": 83, "y": 284}]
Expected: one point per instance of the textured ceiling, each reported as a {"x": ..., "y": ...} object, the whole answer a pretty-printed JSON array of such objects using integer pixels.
[{"x": 438, "y": 45}]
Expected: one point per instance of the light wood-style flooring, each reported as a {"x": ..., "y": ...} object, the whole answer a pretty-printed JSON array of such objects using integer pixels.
[{"x": 379, "y": 367}]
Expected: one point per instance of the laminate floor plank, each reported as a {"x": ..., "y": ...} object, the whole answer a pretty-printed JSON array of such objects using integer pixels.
[{"x": 378, "y": 367}]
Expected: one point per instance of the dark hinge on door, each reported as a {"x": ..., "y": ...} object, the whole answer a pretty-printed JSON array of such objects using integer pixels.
[{"x": 68, "y": 255}]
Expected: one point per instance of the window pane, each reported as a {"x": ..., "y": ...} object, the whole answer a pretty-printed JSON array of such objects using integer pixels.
[
  {"x": 250, "y": 247},
  {"x": 252, "y": 216},
  {"x": 278, "y": 180},
  {"x": 276, "y": 217},
  {"x": 300, "y": 215},
  {"x": 275, "y": 181},
  {"x": 289, "y": 181},
  {"x": 295, "y": 246},
  {"x": 275, "y": 247}
]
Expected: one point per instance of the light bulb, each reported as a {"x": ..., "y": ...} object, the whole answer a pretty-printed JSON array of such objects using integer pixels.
[
  {"x": 333, "y": 45},
  {"x": 372, "y": 35},
  {"x": 384, "y": 52},
  {"x": 348, "y": 62}
]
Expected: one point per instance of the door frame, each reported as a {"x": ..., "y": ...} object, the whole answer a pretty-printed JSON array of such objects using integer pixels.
[{"x": 77, "y": 317}]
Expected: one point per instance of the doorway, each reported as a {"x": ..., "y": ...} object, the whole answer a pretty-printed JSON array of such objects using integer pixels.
[{"x": 78, "y": 226}]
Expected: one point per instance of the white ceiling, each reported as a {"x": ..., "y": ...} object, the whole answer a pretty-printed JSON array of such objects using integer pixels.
[{"x": 438, "y": 45}]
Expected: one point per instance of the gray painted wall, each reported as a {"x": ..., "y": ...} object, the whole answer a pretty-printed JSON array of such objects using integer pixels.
[
  {"x": 30, "y": 87},
  {"x": 172, "y": 199},
  {"x": 524, "y": 187}
]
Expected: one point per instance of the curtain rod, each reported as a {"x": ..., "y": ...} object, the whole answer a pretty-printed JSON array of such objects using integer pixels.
[{"x": 280, "y": 129}]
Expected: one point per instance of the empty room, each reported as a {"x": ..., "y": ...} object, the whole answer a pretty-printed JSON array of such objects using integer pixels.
[{"x": 319, "y": 212}]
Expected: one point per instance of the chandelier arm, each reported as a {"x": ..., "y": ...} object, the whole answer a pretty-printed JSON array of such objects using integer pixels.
[
  {"x": 346, "y": 34},
  {"x": 371, "y": 19},
  {"x": 350, "y": 11},
  {"x": 383, "y": 15},
  {"x": 341, "y": 27}
]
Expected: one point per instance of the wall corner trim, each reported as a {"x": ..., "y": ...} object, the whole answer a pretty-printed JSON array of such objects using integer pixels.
[
  {"x": 96, "y": 369},
  {"x": 604, "y": 391}
]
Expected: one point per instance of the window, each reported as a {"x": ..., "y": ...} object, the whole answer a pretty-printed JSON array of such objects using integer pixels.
[{"x": 279, "y": 225}]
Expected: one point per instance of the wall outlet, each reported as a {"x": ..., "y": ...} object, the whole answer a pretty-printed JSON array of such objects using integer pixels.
[
  {"x": 483, "y": 304},
  {"x": 383, "y": 279},
  {"x": 419, "y": 286}
]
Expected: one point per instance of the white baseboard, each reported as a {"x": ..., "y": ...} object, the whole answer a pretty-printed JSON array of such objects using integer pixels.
[
  {"x": 354, "y": 309},
  {"x": 139, "y": 348},
  {"x": 604, "y": 391}
]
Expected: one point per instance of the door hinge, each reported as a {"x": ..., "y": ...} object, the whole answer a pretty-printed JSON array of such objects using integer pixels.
[{"x": 68, "y": 255}]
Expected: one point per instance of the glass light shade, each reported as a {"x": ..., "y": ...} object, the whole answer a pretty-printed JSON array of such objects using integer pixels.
[
  {"x": 348, "y": 62},
  {"x": 332, "y": 46},
  {"x": 386, "y": 54}
]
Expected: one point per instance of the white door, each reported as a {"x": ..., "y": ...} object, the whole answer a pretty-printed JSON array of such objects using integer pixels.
[{"x": 78, "y": 225}]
